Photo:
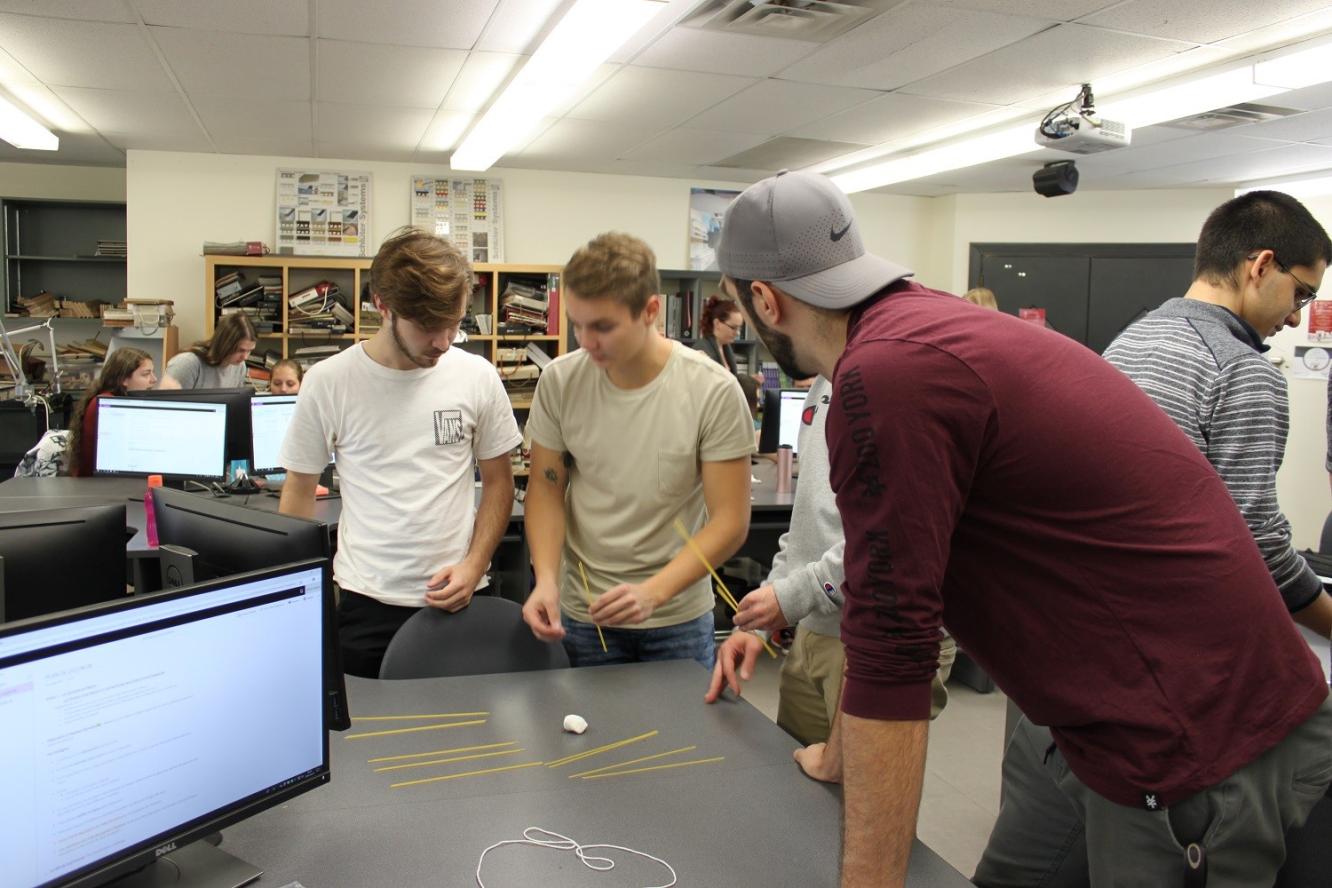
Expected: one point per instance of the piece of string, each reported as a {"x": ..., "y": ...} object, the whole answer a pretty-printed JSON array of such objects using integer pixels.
[{"x": 556, "y": 842}]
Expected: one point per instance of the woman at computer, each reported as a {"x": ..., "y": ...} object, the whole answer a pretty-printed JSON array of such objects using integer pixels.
[
  {"x": 217, "y": 362},
  {"x": 286, "y": 378},
  {"x": 718, "y": 327},
  {"x": 126, "y": 370}
]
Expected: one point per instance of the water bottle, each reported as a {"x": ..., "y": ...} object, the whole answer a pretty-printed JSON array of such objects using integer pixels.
[
  {"x": 149, "y": 512},
  {"x": 785, "y": 459}
]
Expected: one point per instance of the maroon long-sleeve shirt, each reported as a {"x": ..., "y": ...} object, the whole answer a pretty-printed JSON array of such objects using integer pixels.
[{"x": 1004, "y": 480}]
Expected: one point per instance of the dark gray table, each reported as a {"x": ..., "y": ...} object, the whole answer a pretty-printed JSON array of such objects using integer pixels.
[{"x": 750, "y": 820}]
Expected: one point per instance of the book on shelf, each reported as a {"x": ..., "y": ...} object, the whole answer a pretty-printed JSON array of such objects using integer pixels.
[
  {"x": 537, "y": 355},
  {"x": 315, "y": 293},
  {"x": 518, "y": 372},
  {"x": 553, "y": 307},
  {"x": 235, "y": 248}
]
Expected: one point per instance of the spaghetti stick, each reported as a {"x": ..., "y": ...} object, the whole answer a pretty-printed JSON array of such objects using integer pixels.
[
  {"x": 445, "y": 761},
  {"x": 464, "y": 774},
  {"x": 586, "y": 589},
  {"x": 600, "y": 749},
  {"x": 481, "y": 721},
  {"x": 646, "y": 758},
  {"x": 383, "y": 718},
  {"x": 417, "y": 755},
  {"x": 726, "y": 593},
  {"x": 656, "y": 768}
]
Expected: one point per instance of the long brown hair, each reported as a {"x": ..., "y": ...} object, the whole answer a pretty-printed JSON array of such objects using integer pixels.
[
  {"x": 116, "y": 371},
  {"x": 231, "y": 331}
]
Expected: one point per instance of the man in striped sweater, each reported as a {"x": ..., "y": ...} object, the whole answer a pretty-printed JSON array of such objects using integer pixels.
[{"x": 1260, "y": 260}]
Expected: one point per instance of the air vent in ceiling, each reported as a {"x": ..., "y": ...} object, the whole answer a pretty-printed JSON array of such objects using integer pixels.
[
  {"x": 1234, "y": 115},
  {"x": 817, "y": 21}
]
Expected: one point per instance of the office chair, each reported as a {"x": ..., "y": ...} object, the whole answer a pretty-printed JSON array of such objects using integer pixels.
[{"x": 487, "y": 636}]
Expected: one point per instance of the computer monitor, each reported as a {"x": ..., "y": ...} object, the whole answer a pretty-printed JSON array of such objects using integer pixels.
[
  {"x": 202, "y": 538},
  {"x": 177, "y": 439},
  {"x": 269, "y": 417},
  {"x": 56, "y": 559},
  {"x": 237, "y": 401},
  {"x": 134, "y": 728},
  {"x": 782, "y": 409}
]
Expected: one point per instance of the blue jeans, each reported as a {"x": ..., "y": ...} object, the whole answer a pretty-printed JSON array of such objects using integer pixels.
[{"x": 683, "y": 641}]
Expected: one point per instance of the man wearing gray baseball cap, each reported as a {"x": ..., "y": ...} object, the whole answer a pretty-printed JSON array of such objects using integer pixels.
[{"x": 1003, "y": 480}]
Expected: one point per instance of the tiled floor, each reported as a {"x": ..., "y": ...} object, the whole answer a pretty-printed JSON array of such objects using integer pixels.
[{"x": 961, "y": 796}]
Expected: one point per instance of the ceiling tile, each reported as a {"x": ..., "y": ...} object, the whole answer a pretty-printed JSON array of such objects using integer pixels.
[
  {"x": 455, "y": 25},
  {"x": 125, "y": 111},
  {"x": 91, "y": 54},
  {"x": 480, "y": 78},
  {"x": 692, "y": 146},
  {"x": 1234, "y": 168},
  {"x": 371, "y": 125},
  {"x": 213, "y": 63},
  {"x": 368, "y": 73},
  {"x": 584, "y": 89},
  {"x": 279, "y": 17},
  {"x": 693, "y": 49},
  {"x": 357, "y": 152},
  {"x": 1061, "y": 57},
  {"x": 270, "y": 119},
  {"x": 656, "y": 98},
  {"x": 889, "y": 117},
  {"x": 1196, "y": 147},
  {"x": 1059, "y": 10},
  {"x": 86, "y": 10},
  {"x": 655, "y": 169},
  {"x": 1198, "y": 22},
  {"x": 775, "y": 106},
  {"x": 909, "y": 43},
  {"x": 570, "y": 139},
  {"x": 445, "y": 131},
  {"x": 516, "y": 24},
  {"x": 245, "y": 143},
  {"x": 1311, "y": 98},
  {"x": 165, "y": 142}
]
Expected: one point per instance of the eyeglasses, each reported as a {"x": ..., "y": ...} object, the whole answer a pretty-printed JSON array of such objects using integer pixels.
[
  {"x": 1304, "y": 294},
  {"x": 736, "y": 328}
]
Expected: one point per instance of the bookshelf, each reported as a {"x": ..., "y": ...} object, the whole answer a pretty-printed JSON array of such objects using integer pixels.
[
  {"x": 286, "y": 331},
  {"x": 73, "y": 250},
  {"x": 684, "y": 293}
]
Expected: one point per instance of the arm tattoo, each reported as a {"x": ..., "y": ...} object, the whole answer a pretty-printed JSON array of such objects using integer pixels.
[{"x": 552, "y": 476}]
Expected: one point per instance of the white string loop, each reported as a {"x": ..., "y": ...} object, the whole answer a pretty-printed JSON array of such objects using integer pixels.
[{"x": 533, "y": 835}]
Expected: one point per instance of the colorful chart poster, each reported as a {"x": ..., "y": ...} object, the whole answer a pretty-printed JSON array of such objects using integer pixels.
[
  {"x": 323, "y": 213},
  {"x": 1320, "y": 320},
  {"x": 468, "y": 212}
]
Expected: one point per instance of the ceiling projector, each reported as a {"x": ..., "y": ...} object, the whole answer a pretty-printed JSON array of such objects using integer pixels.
[{"x": 1076, "y": 128}]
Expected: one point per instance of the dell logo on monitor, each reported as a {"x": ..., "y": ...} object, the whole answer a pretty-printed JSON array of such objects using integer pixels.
[{"x": 165, "y": 849}]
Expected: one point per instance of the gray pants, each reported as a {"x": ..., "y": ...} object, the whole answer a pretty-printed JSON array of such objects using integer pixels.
[{"x": 1054, "y": 832}]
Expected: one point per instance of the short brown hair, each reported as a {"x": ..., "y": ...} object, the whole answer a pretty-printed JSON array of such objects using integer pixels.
[
  {"x": 422, "y": 278},
  {"x": 982, "y": 296},
  {"x": 615, "y": 266},
  {"x": 230, "y": 332}
]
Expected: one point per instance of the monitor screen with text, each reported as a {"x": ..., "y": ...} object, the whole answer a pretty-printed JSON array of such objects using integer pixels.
[
  {"x": 269, "y": 418},
  {"x": 180, "y": 439},
  {"x": 793, "y": 406},
  {"x": 128, "y": 726}
]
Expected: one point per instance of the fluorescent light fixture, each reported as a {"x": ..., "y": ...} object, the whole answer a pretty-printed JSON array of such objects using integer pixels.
[
  {"x": 1186, "y": 99},
  {"x": 1306, "y": 66},
  {"x": 1319, "y": 186},
  {"x": 587, "y": 35},
  {"x": 21, "y": 131},
  {"x": 1009, "y": 142}
]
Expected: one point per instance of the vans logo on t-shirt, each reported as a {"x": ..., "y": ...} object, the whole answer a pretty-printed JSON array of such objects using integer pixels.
[{"x": 448, "y": 427}]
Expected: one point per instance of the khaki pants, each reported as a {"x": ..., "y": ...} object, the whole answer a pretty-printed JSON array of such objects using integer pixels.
[{"x": 811, "y": 685}]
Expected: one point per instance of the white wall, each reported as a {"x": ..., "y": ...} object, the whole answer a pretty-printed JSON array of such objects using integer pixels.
[
  {"x": 57, "y": 181},
  {"x": 177, "y": 201}
]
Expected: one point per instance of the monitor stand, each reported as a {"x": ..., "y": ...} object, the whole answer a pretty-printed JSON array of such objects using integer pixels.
[{"x": 197, "y": 865}]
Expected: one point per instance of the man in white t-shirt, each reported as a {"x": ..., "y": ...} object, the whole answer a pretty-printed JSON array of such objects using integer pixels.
[
  {"x": 407, "y": 418},
  {"x": 630, "y": 434}
]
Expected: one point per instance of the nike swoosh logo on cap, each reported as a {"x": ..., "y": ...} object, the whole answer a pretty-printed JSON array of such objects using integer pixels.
[{"x": 837, "y": 235}]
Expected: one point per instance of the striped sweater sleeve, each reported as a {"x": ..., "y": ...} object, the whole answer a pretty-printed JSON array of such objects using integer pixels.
[{"x": 1247, "y": 419}]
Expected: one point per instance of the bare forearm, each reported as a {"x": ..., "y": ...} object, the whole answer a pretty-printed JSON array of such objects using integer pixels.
[
  {"x": 883, "y": 769},
  {"x": 1317, "y": 616},
  {"x": 492, "y": 517},
  {"x": 719, "y": 539},
  {"x": 298, "y": 495},
  {"x": 544, "y": 525}
]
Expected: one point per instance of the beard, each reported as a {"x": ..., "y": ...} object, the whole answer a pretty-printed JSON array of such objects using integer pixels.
[
  {"x": 420, "y": 359},
  {"x": 781, "y": 347}
]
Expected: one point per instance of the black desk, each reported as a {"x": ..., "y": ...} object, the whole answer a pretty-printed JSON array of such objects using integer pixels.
[{"x": 750, "y": 820}]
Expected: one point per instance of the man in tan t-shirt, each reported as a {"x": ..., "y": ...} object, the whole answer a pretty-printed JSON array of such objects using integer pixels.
[{"x": 630, "y": 433}]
